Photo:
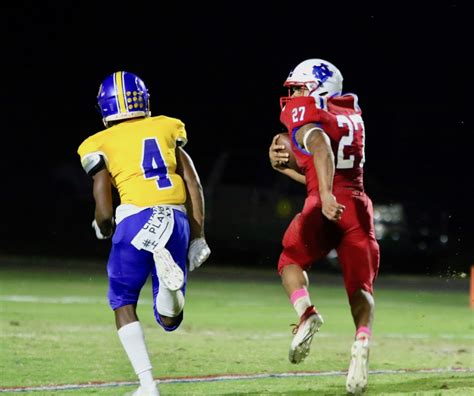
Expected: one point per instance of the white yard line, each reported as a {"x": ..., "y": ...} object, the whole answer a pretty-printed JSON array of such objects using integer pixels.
[{"x": 229, "y": 377}]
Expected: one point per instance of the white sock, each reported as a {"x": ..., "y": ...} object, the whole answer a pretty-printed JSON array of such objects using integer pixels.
[
  {"x": 133, "y": 341},
  {"x": 169, "y": 303},
  {"x": 302, "y": 305},
  {"x": 146, "y": 379},
  {"x": 300, "y": 300}
]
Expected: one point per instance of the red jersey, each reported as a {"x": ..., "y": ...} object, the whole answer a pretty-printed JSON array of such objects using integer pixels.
[{"x": 340, "y": 118}]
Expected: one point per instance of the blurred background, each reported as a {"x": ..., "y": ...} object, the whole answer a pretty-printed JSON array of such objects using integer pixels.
[{"x": 220, "y": 69}]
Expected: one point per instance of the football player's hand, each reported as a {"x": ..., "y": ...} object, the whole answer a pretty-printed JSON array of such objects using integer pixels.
[
  {"x": 98, "y": 232},
  {"x": 331, "y": 208},
  {"x": 277, "y": 156},
  {"x": 198, "y": 253}
]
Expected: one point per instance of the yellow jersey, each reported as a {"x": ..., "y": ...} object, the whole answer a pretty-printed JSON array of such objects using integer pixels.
[{"x": 140, "y": 157}]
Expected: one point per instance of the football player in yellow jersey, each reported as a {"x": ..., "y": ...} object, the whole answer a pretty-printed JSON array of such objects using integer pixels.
[{"x": 159, "y": 224}]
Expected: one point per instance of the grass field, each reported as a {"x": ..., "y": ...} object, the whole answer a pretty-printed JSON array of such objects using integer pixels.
[{"x": 56, "y": 329}]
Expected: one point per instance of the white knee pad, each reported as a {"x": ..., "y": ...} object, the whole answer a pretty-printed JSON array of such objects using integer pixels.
[{"x": 169, "y": 303}]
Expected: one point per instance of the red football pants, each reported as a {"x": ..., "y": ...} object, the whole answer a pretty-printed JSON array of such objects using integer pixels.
[{"x": 310, "y": 236}]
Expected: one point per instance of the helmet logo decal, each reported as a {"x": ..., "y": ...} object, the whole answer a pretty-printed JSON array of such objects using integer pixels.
[{"x": 322, "y": 72}]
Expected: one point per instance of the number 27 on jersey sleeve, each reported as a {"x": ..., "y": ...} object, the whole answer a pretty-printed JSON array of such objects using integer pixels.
[{"x": 354, "y": 139}]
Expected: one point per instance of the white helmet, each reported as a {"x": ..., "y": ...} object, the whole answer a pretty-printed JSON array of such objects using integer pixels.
[{"x": 320, "y": 77}]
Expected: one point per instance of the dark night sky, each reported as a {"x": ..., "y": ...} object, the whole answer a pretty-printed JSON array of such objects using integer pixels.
[{"x": 220, "y": 69}]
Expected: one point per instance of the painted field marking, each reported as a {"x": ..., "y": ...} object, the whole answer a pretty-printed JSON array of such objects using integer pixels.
[{"x": 230, "y": 377}]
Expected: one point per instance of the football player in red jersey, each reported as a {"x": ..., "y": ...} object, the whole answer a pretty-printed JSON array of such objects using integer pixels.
[{"x": 327, "y": 138}]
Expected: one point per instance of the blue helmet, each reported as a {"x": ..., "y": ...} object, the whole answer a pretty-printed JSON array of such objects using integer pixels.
[{"x": 122, "y": 95}]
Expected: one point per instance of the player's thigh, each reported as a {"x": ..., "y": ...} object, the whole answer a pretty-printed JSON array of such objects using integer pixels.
[
  {"x": 128, "y": 268},
  {"x": 358, "y": 250},
  {"x": 308, "y": 238}
]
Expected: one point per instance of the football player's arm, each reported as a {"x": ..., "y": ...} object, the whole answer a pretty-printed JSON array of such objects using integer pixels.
[
  {"x": 279, "y": 159},
  {"x": 104, "y": 213},
  {"x": 198, "y": 251},
  {"x": 315, "y": 140},
  {"x": 195, "y": 196}
]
